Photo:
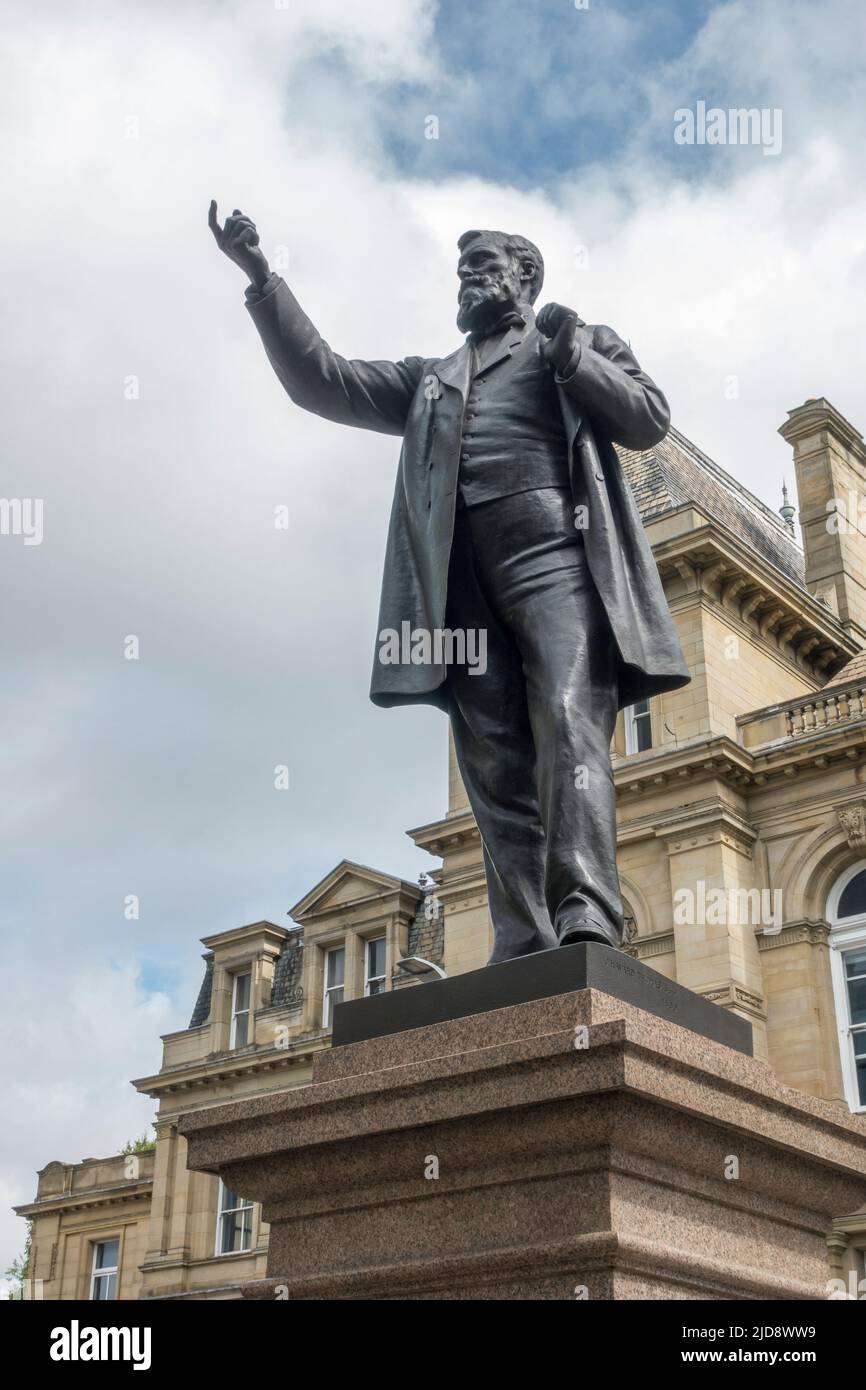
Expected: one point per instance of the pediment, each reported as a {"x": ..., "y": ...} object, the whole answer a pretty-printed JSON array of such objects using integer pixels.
[{"x": 348, "y": 883}]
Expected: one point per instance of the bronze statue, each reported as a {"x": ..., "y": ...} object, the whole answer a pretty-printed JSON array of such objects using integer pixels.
[{"x": 519, "y": 591}]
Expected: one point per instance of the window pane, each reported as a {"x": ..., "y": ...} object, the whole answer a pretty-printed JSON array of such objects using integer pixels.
[
  {"x": 242, "y": 1028},
  {"x": 860, "y": 1063},
  {"x": 857, "y": 1000},
  {"x": 376, "y": 987},
  {"x": 237, "y": 1229},
  {"x": 853, "y": 900},
  {"x": 106, "y": 1254},
  {"x": 104, "y": 1287},
  {"x": 855, "y": 962},
  {"x": 336, "y": 996},
  {"x": 375, "y": 958},
  {"x": 336, "y": 967},
  {"x": 246, "y": 1220},
  {"x": 242, "y": 992},
  {"x": 638, "y": 727},
  {"x": 230, "y": 1200},
  {"x": 227, "y": 1242}
]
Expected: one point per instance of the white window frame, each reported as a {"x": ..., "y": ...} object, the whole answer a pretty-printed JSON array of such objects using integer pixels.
[
  {"x": 245, "y": 1204},
  {"x": 845, "y": 935},
  {"x": 328, "y": 990},
  {"x": 241, "y": 1013},
  {"x": 374, "y": 979},
  {"x": 104, "y": 1271},
  {"x": 631, "y": 731}
]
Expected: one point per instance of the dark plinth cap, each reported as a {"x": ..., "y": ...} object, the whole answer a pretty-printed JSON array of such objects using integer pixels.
[{"x": 588, "y": 965}]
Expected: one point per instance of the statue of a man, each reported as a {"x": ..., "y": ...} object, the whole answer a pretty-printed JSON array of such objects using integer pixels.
[{"x": 513, "y": 528}]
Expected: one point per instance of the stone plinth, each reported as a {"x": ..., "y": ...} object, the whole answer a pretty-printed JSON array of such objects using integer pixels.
[{"x": 580, "y": 1143}]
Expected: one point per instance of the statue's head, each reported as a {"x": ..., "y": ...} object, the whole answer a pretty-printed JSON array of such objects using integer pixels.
[{"x": 497, "y": 272}]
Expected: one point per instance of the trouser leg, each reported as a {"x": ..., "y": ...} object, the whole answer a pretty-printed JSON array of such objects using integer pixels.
[
  {"x": 568, "y": 653},
  {"x": 532, "y": 567},
  {"x": 496, "y": 756}
]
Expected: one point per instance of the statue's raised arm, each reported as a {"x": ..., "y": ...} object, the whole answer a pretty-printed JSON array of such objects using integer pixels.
[{"x": 372, "y": 395}]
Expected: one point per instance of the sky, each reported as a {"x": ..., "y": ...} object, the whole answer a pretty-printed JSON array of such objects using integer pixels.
[{"x": 138, "y": 406}]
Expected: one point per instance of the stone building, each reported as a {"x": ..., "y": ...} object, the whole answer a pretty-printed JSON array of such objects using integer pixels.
[{"x": 742, "y": 853}]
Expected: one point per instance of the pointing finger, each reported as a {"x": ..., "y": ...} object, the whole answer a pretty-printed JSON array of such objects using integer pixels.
[{"x": 212, "y": 221}]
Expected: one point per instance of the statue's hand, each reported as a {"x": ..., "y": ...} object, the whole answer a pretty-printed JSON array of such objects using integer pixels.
[
  {"x": 561, "y": 327},
  {"x": 239, "y": 240}
]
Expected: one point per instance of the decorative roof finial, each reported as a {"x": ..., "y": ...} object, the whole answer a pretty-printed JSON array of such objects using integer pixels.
[{"x": 786, "y": 511}]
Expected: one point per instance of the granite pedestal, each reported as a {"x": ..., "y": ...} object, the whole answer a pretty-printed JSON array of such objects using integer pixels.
[{"x": 567, "y": 1145}]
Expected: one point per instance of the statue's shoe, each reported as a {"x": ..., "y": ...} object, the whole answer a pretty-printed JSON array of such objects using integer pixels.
[{"x": 576, "y": 929}]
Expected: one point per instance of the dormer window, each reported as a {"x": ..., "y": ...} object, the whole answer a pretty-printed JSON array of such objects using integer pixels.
[
  {"x": 638, "y": 727},
  {"x": 241, "y": 991},
  {"x": 335, "y": 983},
  {"x": 374, "y": 966}
]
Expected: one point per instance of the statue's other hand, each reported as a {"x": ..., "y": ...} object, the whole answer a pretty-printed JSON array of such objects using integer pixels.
[
  {"x": 239, "y": 240},
  {"x": 550, "y": 319},
  {"x": 559, "y": 326}
]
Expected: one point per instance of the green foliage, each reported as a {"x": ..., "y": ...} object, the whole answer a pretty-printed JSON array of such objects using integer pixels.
[
  {"x": 19, "y": 1270},
  {"x": 142, "y": 1145}
]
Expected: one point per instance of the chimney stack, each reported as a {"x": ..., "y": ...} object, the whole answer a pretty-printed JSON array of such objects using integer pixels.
[{"x": 830, "y": 468}]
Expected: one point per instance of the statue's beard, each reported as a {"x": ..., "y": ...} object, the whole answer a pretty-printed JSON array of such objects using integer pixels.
[{"x": 481, "y": 302}]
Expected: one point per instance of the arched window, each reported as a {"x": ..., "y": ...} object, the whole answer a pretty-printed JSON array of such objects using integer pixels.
[{"x": 846, "y": 914}]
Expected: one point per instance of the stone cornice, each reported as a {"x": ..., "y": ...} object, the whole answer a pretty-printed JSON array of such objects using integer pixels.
[
  {"x": 206, "y": 1071},
  {"x": 133, "y": 1191},
  {"x": 449, "y": 833},
  {"x": 702, "y": 823},
  {"x": 734, "y": 996},
  {"x": 813, "y": 753},
  {"x": 719, "y": 758},
  {"x": 817, "y": 417},
  {"x": 265, "y": 932},
  {"x": 715, "y": 756},
  {"x": 714, "y": 564},
  {"x": 793, "y": 934},
  {"x": 645, "y": 947}
]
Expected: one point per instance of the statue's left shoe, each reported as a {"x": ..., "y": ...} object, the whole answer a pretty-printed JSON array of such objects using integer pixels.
[{"x": 584, "y": 928}]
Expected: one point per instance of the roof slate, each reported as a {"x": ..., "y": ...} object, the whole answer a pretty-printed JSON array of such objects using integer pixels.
[
  {"x": 287, "y": 971},
  {"x": 675, "y": 472},
  {"x": 854, "y": 671},
  {"x": 201, "y": 1012}
]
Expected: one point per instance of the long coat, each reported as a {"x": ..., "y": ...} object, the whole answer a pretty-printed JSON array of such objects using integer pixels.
[{"x": 605, "y": 399}]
